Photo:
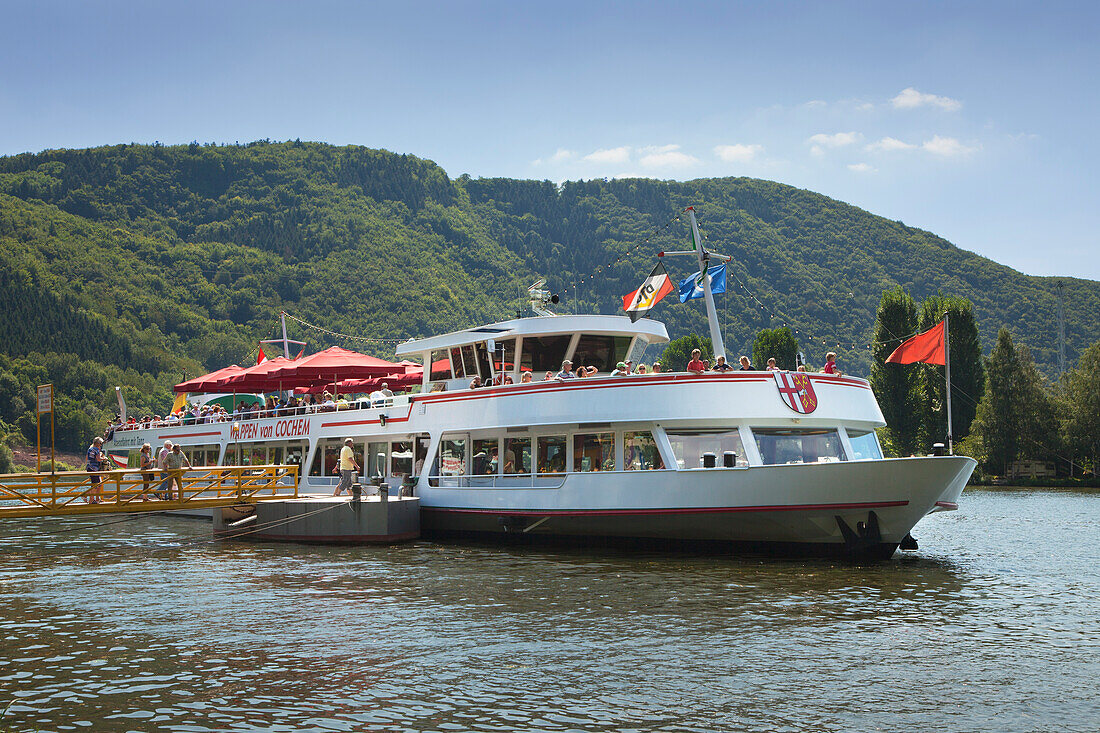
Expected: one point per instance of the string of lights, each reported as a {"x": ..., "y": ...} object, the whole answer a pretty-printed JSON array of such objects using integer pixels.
[
  {"x": 348, "y": 337},
  {"x": 658, "y": 231}
]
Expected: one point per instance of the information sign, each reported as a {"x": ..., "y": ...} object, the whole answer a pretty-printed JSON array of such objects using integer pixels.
[{"x": 45, "y": 398}]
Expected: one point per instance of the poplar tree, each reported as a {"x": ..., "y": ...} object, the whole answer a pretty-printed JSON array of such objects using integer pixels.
[
  {"x": 897, "y": 387},
  {"x": 1081, "y": 400},
  {"x": 967, "y": 371}
]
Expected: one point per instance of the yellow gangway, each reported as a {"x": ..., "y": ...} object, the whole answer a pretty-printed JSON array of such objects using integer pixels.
[{"x": 131, "y": 490}]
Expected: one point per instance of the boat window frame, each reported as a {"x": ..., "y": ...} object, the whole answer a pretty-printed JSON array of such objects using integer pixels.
[{"x": 806, "y": 432}]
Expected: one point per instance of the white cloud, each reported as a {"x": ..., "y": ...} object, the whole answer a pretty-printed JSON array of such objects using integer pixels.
[
  {"x": 665, "y": 156},
  {"x": 560, "y": 156},
  {"x": 737, "y": 153},
  {"x": 821, "y": 141},
  {"x": 946, "y": 147},
  {"x": 889, "y": 144},
  {"x": 815, "y": 103},
  {"x": 861, "y": 168},
  {"x": 609, "y": 155},
  {"x": 865, "y": 107},
  {"x": 910, "y": 98}
]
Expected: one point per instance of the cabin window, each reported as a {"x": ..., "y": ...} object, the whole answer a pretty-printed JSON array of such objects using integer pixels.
[
  {"x": 640, "y": 452},
  {"x": 865, "y": 445},
  {"x": 782, "y": 445},
  {"x": 456, "y": 363},
  {"x": 544, "y": 353},
  {"x": 275, "y": 455},
  {"x": 324, "y": 459},
  {"x": 376, "y": 459},
  {"x": 401, "y": 458},
  {"x": 452, "y": 457},
  {"x": 230, "y": 456},
  {"x": 421, "y": 444},
  {"x": 602, "y": 352},
  {"x": 258, "y": 456},
  {"x": 593, "y": 452},
  {"x": 295, "y": 454},
  {"x": 484, "y": 459},
  {"x": 690, "y": 446},
  {"x": 551, "y": 454},
  {"x": 517, "y": 455},
  {"x": 441, "y": 365}
]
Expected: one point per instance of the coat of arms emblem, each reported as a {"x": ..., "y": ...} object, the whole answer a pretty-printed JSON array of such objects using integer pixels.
[{"x": 796, "y": 391}]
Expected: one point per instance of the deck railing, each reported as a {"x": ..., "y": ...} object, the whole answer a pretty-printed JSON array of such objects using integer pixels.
[{"x": 132, "y": 490}]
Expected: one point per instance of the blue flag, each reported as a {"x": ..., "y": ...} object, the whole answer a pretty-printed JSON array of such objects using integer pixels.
[{"x": 692, "y": 287}]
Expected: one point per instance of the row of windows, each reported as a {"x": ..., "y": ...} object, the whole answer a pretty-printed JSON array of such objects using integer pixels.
[
  {"x": 390, "y": 458},
  {"x": 538, "y": 354},
  {"x": 550, "y": 455}
]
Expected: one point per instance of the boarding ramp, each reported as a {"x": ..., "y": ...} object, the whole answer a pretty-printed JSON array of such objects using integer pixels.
[{"x": 124, "y": 491}]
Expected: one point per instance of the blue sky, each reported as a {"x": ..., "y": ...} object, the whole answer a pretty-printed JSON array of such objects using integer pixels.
[{"x": 974, "y": 120}]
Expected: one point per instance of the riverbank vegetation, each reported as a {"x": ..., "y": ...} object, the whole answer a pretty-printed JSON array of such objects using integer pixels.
[{"x": 140, "y": 265}]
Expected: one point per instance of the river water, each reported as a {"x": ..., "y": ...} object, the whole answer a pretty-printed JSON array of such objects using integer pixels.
[{"x": 145, "y": 624}]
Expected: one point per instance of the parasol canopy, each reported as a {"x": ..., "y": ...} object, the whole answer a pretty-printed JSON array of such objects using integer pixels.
[{"x": 207, "y": 382}]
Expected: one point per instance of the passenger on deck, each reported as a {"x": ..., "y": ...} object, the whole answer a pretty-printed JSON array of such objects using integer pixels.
[
  {"x": 508, "y": 379},
  {"x": 801, "y": 368},
  {"x": 475, "y": 382},
  {"x": 629, "y": 366},
  {"x": 771, "y": 365},
  {"x": 566, "y": 371},
  {"x": 548, "y": 377},
  {"x": 696, "y": 365},
  {"x": 746, "y": 365},
  {"x": 720, "y": 364},
  {"x": 830, "y": 365},
  {"x": 386, "y": 391},
  {"x": 641, "y": 369},
  {"x": 526, "y": 378},
  {"x": 347, "y": 466},
  {"x": 656, "y": 367},
  {"x": 620, "y": 370}
]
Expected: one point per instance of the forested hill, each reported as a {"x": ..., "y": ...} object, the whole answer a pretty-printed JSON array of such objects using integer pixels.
[{"x": 161, "y": 260}]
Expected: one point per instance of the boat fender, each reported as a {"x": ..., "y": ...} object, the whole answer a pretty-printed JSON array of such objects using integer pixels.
[{"x": 908, "y": 542}]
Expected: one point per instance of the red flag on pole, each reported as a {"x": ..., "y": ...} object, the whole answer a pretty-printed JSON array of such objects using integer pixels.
[
  {"x": 639, "y": 302},
  {"x": 927, "y": 347},
  {"x": 261, "y": 357}
]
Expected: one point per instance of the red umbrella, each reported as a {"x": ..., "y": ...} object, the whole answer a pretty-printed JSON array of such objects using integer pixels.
[
  {"x": 358, "y": 386},
  {"x": 335, "y": 363},
  {"x": 205, "y": 382},
  {"x": 258, "y": 378}
]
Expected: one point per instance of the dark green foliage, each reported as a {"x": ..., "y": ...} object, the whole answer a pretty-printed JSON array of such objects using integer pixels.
[
  {"x": 777, "y": 343},
  {"x": 1016, "y": 419},
  {"x": 967, "y": 371},
  {"x": 897, "y": 386},
  {"x": 678, "y": 352},
  {"x": 1080, "y": 394},
  {"x": 142, "y": 260}
]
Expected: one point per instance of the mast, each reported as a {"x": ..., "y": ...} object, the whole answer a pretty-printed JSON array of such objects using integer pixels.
[
  {"x": 947, "y": 371},
  {"x": 286, "y": 346},
  {"x": 704, "y": 264}
]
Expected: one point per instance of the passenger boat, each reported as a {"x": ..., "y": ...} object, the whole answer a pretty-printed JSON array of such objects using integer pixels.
[
  {"x": 770, "y": 461},
  {"x": 765, "y": 461}
]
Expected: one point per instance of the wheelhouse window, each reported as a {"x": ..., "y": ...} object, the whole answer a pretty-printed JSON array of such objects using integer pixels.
[
  {"x": 782, "y": 445},
  {"x": 551, "y": 454},
  {"x": 602, "y": 352},
  {"x": 469, "y": 361},
  {"x": 640, "y": 452},
  {"x": 440, "y": 365},
  {"x": 593, "y": 452},
  {"x": 456, "y": 361},
  {"x": 504, "y": 356},
  {"x": 690, "y": 446},
  {"x": 544, "y": 353},
  {"x": 482, "y": 352},
  {"x": 517, "y": 455},
  {"x": 865, "y": 445}
]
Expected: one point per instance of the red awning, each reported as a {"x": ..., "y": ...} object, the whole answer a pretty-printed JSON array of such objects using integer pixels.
[
  {"x": 361, "y": 386},
  {"x": 257, "y": 378},
  {"x": 207, "y": 382}
]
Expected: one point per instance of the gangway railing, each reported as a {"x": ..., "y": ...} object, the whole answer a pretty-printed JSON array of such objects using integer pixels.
[{"x": 132, "y": 490}]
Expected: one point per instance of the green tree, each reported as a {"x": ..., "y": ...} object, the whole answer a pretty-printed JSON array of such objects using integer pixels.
[
  {"x": 677, "y": 354},
  {"x": 967, "y": 370},
  {"x": 897, "y": 386},
  {"x": 1016, "y": 418},
  {"x": 777, "y": 343},
  {"x": 1081, "y": 399}
]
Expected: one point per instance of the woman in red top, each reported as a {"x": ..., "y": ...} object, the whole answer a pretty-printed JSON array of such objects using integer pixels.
[{"x": 830, "y": 364}]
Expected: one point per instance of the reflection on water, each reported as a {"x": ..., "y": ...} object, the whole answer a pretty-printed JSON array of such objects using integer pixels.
[{"x": 144, "y": 625}]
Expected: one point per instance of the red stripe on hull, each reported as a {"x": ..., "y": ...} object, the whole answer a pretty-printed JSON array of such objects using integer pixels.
[{"x": 681, "y": 510}]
